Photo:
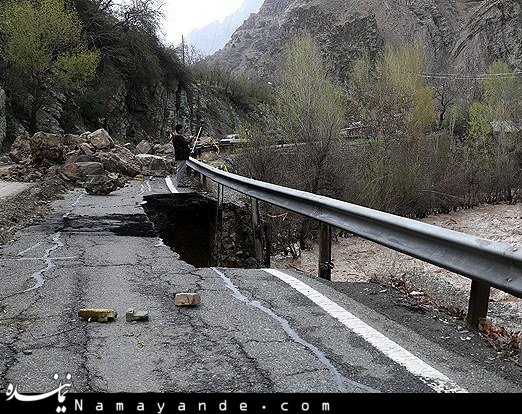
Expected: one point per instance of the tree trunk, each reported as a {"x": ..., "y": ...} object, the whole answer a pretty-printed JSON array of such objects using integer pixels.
[{"x": 33, "y": 122}]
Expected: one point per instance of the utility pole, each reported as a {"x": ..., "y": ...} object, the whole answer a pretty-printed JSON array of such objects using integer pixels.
[{"x": 183, "y": 49}]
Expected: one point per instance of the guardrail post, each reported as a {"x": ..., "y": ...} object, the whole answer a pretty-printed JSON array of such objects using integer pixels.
[
  {"x": 258, "y": 231},
  {"x": 219, "y": 223},
  {"x": 325, "y": 252},
  {"x": 478, "y": 303},
  {"x": 520, "y": 344},
  {"x": 268, "y": 246}
]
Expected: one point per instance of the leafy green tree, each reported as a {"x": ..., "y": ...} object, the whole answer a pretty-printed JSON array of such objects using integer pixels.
[
  {"x": 479, "y": 122},
  {"x": 44, "y": 44},
  {"x": 389, "y": 95},
  {"x": 502, "y": 92},
  {"x": 312, "y": 110}
]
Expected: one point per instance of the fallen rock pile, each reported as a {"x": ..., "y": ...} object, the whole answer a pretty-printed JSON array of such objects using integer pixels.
[{"x": 93, "y": 160}]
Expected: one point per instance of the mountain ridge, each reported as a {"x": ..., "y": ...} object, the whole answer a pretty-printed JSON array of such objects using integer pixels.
[
  {"x": 212, "y": 37},
  {"x": 461, "y": 35}
]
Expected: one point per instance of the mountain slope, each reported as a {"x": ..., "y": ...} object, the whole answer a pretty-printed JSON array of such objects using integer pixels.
[
  {"x": 214, "y": 36},
  {"x": 462, "y": 35}
]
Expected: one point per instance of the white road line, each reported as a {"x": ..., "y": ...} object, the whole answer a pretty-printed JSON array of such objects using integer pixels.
[
  {"x": 427, "y": 374},
  {"x": 171, "y": 185}
]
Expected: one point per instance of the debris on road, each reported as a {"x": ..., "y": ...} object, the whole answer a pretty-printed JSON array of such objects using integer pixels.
[
  {"x": 27, "y": 351},
  {"x": 506, "y": 343},
  {"x": 102, "y": 185},
  {"x": 98, "y": 315},
  {"x": 135, "y": 315},
  {"x": 76, "y": 159},
  {"x": 187, "y": 299}
]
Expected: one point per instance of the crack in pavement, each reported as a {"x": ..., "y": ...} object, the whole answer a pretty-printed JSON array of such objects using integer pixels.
[
  {"x": 29, "y": 249},
  {"x": 49, "y": 263},
  {"x": 339, "y": 378}
]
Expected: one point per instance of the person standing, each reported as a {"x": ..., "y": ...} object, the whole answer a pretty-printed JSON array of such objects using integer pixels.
[{"x": 181, "y": 154}]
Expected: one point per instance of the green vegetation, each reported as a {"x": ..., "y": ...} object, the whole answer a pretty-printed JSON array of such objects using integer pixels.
[
  {"x": 44, "y": 44},
  {"x": 98, "y": 54},
  {"x": 405, "y": 164},
  {"x": 479, "y": 121},
  {"x": 312, "y": 111},
  {"x": 389, "y": 95},
  {"x": 242, "y": 91}
]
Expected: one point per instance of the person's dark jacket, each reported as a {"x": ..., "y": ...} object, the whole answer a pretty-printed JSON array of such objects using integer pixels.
[{"x": 181, "y": 147}]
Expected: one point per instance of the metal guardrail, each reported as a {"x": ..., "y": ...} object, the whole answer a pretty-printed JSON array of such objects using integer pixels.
[{"x": 487, "y": 263}]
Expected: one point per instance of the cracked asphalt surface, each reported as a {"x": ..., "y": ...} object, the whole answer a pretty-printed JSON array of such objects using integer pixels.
[{"x": 252, "y": 333}]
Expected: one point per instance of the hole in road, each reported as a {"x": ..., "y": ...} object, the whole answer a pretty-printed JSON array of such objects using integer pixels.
[
  {"x": 186, "y": 223},
  {"x": 130, "y": 225}
]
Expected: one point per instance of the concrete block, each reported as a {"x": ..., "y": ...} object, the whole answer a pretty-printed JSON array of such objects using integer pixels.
[
  {"x": 187, "y": 299},
  {"x": 135, "y": 315},
  {"x": 98, "y": 315}
]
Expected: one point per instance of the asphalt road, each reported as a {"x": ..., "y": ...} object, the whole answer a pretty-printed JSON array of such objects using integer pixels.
[{"x": 256, "y": 330}]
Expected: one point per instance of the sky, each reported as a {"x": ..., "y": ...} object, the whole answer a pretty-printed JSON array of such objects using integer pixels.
[{"x": 182, "y": 16}]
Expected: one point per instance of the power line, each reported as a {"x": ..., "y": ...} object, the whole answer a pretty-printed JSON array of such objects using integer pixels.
[{"x": 460, "y": 76}]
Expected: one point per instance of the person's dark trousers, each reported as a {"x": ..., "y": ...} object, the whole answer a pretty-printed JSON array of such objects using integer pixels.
[{"x": 181, "y": 173}]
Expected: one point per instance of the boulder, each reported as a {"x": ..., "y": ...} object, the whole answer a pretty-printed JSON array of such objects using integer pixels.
[
  {"x": 84, "y": 137},
  {"x": 86, "y": 149},
  {"x": 120, "y": 160},
  {"x": 101, "y": 140},
  {"x": 82, "y": 158},
  {"x": 165, "y": 149},
  {"x": 102, "y": 185},
  {"x": 144, "y": 147},
  {"x": 81, "y": 171},
  {"x": 21, "y": 150},
  {"x": 154, "y": 165},
  {"x": 47, "y": 148},
  {"x": 71, "y": 140}
]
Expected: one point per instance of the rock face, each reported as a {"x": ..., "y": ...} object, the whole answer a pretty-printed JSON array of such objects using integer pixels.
[
  {"x": 455, "y": 34},
  {"x": 3, "y": 124}
]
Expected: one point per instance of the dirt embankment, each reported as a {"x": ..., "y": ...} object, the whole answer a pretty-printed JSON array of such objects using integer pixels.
[{"x": 29, "y": 206}]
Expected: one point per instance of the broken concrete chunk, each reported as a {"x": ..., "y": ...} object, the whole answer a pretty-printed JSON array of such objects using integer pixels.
[
  {"x": 187, "y": 299},
  {"x": 135, "y": 315},
  {"x": 98, "y": 315}
]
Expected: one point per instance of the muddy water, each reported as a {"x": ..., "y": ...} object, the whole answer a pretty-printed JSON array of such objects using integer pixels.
[{"x": 358, "y": 260}]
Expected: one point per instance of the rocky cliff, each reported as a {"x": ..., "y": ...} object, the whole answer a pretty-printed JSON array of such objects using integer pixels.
[
  {"x": 214, "y": 36},
  {"x": 461, "y": 35},
  {"x": 140, "y": 89}
]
